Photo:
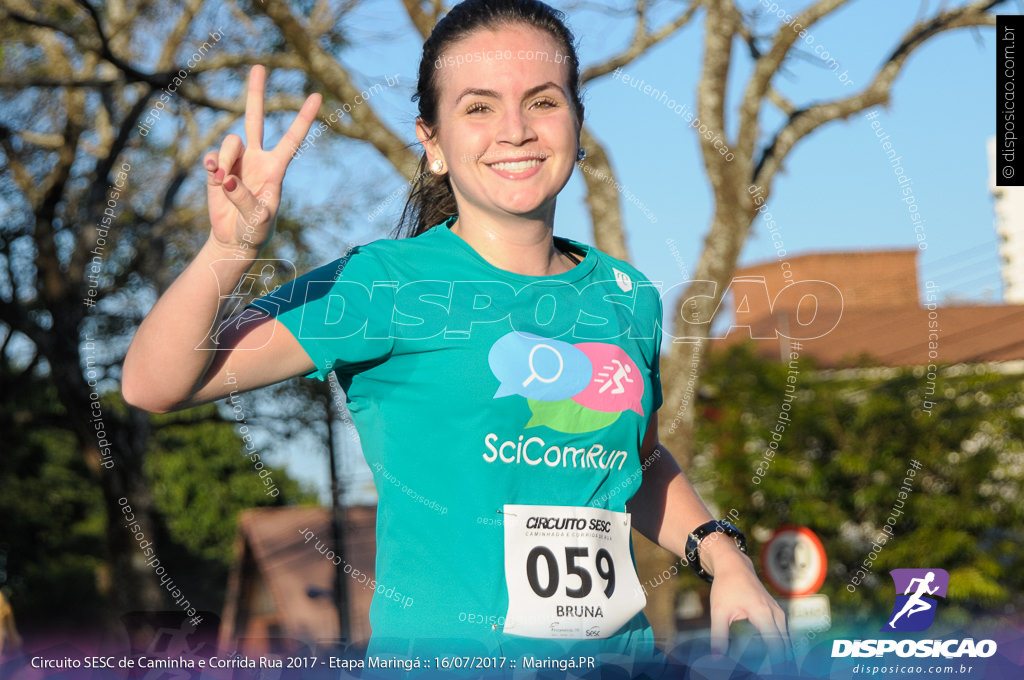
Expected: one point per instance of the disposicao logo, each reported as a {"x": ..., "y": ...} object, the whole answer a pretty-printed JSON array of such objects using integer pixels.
[
  {"x": 914, "y": 610},
  {"x": 569, "y": 388}
]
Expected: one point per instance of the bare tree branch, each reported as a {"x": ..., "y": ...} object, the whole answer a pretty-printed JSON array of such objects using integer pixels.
[
  {"x": 107, "y": 53},
  {"x": 24, "y": 179},
  {"x": 178, "y": 32},
  {"x": 42, "y": 139},
  {"x": 602, "y": 197},
  {"x": 721, "y": 25},
  {"x": 223, "y": 60},
  {"x": 783, "y": 104},
  {"x": 325, "y": 68},
  {"x": 804, "y": 121},
  {"x": 280, "y": 102},
  {"x": 53, "y": 281},
  {"x": 768, "y": 65},
  {"x": 642, "y": 41},
  {"x": 131, "y": 73},
  {"x": 421, "y": 21},
  {"x": 216, "y": 62}
]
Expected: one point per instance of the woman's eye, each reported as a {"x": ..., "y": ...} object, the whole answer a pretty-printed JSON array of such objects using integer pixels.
[
  {"x": 474, "y": 108},
  {"x": 545, "y": 103}
]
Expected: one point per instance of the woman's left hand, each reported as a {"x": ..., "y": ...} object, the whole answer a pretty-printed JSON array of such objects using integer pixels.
[{"x": 736, "y": 594}]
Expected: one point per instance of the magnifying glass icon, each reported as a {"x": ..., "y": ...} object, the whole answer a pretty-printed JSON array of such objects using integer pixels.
[{"x": 533, "y": 369}]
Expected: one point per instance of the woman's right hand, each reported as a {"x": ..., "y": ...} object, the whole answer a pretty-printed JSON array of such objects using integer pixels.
[{"x": 243, "y": 182}]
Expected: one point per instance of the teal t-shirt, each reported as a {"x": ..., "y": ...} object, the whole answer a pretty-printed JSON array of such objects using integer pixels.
[{"x": 472, "y": 387}]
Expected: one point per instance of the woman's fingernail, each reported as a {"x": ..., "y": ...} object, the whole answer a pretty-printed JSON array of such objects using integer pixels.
[
  {"x": 230, "y": 184},
  {"x": 219, "y": 175},
  {"x": 211, "y": 166}
]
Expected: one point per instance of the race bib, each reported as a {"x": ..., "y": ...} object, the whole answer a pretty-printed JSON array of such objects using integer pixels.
[{"x": 569, "y": 572}]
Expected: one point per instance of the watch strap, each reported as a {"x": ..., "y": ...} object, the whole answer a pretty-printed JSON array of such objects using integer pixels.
[{"x": 700, "y": 533}]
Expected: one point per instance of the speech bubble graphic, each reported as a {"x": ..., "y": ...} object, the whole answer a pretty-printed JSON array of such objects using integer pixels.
[
  {"x": 617, "y": 383},
  {"x": 538, "y": 368},
  {"x": 568, "y": 416}
]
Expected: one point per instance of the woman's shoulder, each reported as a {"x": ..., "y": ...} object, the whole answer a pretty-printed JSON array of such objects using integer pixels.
[
  {"x": 608, "y": 265},
  {"x": 397, "y": 249},
  {"x": 376, "y": 258}
]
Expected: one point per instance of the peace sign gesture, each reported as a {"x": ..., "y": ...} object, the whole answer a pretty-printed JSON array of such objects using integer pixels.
[{"x": 243, "y": 181}]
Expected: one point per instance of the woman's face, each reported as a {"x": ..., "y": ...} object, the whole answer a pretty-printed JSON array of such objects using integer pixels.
[{"x": 507, "y": 131}]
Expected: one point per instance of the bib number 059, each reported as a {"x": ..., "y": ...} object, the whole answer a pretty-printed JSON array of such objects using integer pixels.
[
  {"x": 569, "y": 572},
  {"x": 543, "y": 568}
]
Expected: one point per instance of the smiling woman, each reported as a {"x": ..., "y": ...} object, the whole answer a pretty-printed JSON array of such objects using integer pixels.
[{"x": 437, "y": 410}]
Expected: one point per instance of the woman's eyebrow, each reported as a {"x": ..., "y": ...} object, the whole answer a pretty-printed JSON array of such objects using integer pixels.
[
  {"x": 478, "y": 93},
  {"x": 473, "y": 91}
]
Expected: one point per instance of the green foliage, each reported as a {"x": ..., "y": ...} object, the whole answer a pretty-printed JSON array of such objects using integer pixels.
[
  {"x": 842, "y": 463},
  {"x": 53, "y": 514},
  {"x": 201, "y": 478}
]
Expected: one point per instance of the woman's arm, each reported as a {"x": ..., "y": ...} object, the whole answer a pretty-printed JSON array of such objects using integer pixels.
[
  {"x": 666, "y": 509},
  {"x": 174, "y": 361}
]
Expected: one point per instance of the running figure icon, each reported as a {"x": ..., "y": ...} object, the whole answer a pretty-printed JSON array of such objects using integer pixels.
[
  {"x": 915, "y": 603},
  {"x": 620, "y": 375}
]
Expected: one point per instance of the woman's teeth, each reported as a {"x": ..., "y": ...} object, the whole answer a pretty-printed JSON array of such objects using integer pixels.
[{"x": 518, "y": 166}]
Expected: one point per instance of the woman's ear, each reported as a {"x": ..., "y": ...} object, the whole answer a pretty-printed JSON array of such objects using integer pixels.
[{"x": 428, "y": 138}]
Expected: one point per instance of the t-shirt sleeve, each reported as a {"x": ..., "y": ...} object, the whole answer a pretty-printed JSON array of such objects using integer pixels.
[{"x": 341, "y": 313}]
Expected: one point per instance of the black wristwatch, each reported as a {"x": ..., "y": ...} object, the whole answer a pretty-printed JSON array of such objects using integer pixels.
[{"x": 698, "y": 534}]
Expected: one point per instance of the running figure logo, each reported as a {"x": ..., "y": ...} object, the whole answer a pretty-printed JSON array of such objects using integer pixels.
[
  {"x": 915, "y": 608},
  {"x": 621, "y": 374}
]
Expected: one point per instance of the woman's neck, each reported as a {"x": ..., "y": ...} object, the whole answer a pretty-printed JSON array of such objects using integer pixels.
[{"x": 518, "y": 245}]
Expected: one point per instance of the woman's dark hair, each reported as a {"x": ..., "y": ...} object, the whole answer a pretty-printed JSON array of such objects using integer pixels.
[{"x": 431, "y": 200}]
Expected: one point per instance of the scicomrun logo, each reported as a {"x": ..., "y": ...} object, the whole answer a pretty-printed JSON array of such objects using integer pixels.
[
  {"x": 915, "y": 611},
  {"x": 569, "y": 388}
]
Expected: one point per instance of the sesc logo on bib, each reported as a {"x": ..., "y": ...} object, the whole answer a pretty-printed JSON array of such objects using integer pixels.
[{"x": 569, "y": 572}]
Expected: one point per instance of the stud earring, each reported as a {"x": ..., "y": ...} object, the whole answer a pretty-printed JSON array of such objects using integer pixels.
[
  {"x": 437, "y": 167},
  {"x": 581, "y": 154}
]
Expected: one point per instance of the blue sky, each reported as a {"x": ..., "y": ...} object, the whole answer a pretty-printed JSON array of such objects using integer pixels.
[{"x": 836, "y": 192}]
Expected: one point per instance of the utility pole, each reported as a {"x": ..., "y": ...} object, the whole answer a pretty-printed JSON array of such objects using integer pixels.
[{"x": 341, "y": 598}]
